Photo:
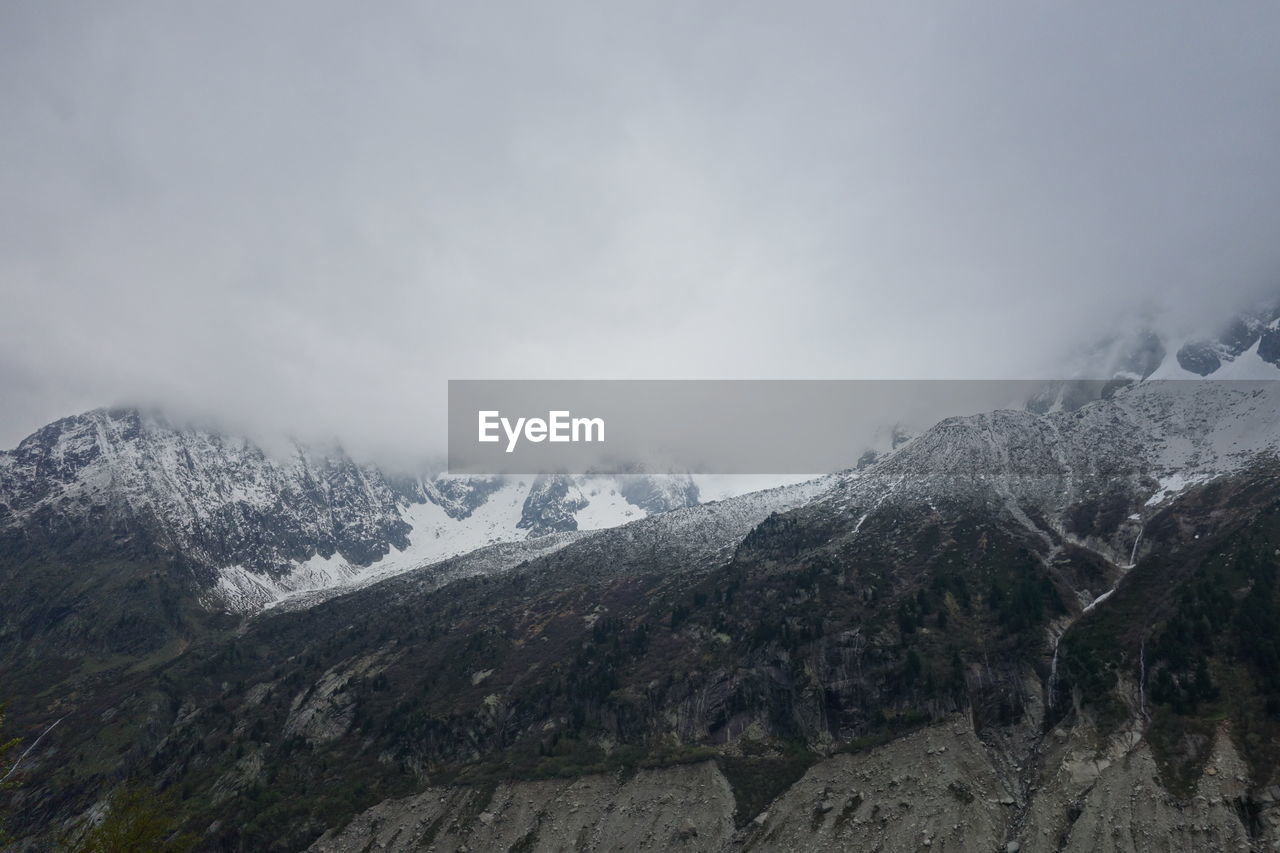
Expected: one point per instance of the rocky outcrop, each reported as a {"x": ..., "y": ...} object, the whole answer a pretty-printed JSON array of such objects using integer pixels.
[
  {"x": 681, "y": 808},
  {"x": 551, "y": 506},
  {"x": 656, "y": 494},
  {"x": 324, "y": 711},
  {"x": 1110, "y": 798},
  {"x": 935, "y": 789},
  {"x": 1269, "y": 346},
  {"x": 1199, "y": 357}
]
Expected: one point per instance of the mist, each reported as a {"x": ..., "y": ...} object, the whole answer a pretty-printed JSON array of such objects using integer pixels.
[{"x": 305, "y": 218}]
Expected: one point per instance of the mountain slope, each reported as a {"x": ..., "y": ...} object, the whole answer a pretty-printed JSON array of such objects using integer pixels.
[{"x": 993, "y": 591}]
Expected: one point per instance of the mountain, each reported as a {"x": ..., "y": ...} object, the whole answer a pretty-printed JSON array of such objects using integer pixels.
[
  {"x": 1243, "y": 348},
  {"x": 1246, "y": 346},
  {"x": 244, "y": 528},
  {"x": 1018, "y": 630}
]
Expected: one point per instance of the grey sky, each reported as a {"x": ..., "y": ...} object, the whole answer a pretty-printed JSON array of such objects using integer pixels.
[{"x": 310, "y": 215}]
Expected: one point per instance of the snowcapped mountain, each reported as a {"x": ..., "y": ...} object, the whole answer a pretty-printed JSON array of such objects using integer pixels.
[
  {"x": 252, "y": 526},
  {"x": 1061, "y": 473},
  {"x": 1145, "y": 443},
  {"x": 1245, "y": 346},
  {"x": 1092, "y": 474}
]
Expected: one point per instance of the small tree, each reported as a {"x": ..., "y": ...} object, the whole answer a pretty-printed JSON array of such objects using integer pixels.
[{"x": 137, "y": 819}]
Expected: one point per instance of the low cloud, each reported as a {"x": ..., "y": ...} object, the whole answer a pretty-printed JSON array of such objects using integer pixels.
[{"x": 306, "y": 217}]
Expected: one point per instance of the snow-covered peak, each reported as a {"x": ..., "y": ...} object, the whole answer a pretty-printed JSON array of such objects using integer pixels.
[
  {"x": 1245, "y": 345},
  {"x": 1116, "y": 459},
  {"x": 253, "y": 526}
]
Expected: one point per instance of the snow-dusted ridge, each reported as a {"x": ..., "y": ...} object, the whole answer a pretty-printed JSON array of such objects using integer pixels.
[
  {"x": 1160, "y": 436},
  {"x": 254, "y": 527},
  {"x": 699, "y": 532},
  {"x": 1148, "y": 442}
]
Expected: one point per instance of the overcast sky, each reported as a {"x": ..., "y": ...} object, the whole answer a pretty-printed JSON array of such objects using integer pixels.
[{"x": 309, "y": 215}]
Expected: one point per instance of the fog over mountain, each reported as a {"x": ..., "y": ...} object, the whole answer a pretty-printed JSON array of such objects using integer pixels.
[{"x": 307, "y": 216}]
